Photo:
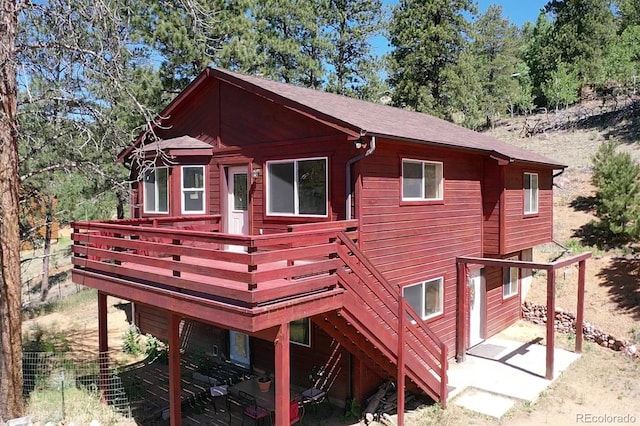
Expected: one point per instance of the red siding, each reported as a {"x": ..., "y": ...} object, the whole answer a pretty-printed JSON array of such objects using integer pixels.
[
  {"x": 414, "y": 242},
  {"x": 525, "y": 231},
  {"x": 491, "y": 192},
  {"x": 501, "y": 313}
]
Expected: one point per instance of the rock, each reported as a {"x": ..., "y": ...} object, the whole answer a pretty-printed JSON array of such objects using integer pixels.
[
  {"x": 630, "y": 350},
  {"x": 21, "y": 421},
  {"x": 94, "y": 422}
]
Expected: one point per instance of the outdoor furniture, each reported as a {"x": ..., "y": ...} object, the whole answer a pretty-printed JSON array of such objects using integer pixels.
[
  {"x": 322, "y": 380},
  {"x": 218, "y": 392},
  {"x": 251, "y": 409},
  {"x": 296, "y": 411}
]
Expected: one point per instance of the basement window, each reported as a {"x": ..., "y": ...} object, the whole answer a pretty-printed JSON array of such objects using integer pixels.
[
  {"x": 510, "y": 284},
  {"x": 530, "y": 193},
  {"x": 300, "y": 332},
  {"x": 426, "y": 298},
  {"x": 421, "y": 180},
  {"x": 156, "y": 190}
]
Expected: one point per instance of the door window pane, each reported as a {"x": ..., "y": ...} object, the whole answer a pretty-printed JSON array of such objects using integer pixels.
[{"x": 240, "y": 191}]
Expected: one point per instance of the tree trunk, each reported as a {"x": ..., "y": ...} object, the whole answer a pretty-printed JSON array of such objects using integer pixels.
[
  {"x": 46, "y": 255},
  {"x": 11, "y": 403}
]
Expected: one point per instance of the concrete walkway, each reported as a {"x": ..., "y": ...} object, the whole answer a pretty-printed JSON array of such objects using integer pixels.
[{"x": 499, "y": 372}]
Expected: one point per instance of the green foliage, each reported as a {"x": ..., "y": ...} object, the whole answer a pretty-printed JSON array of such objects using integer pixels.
[
  {"x": 629, "y": 13},
  {"x": 561, "y": 89},
  {"x": 615, "y": 176},
  {"x": 40, "y": 339},
  {"x": 540, "y": 53},
  {"x": 131, "y": 341},
  {"x": 352, "y": 66},
  {"x": 155, "y": 349},
  {"x": 353, "y": 410},
  {"x": 581, "y": 31},
  {"x": 622, "y": 59},
  {"x": 427, "y": 39}
]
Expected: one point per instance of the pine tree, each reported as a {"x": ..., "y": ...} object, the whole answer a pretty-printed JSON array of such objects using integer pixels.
[
  {"x": 426, "y": 38},
  {"x": 540, "y": 54},
  {"x": 629, "y": 13},
  {"x": 616, "y": 178},
  {"x": 495, "y": 45},
  {"x": 11, "y": 402},
  {"x": 291, "y": 42},
  {"x": 581, "y": 31},
  {"x": 352, "y": 66}
]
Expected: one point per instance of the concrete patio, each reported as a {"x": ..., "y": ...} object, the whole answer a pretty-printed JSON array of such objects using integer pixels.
[{"x": 499, "y": 372}]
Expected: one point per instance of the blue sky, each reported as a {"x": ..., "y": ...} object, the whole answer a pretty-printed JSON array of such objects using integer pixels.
[{"x": 518, "y": 11}]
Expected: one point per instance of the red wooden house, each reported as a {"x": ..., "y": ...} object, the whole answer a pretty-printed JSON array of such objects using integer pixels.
[{"x": 270, "y": 213}]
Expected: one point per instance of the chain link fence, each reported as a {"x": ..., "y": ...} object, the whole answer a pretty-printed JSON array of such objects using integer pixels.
[{"x": 68, "y": 385}]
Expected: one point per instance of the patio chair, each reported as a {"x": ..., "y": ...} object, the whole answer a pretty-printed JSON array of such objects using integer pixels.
[
  {"x": 322, "y": 380},
  {"x": 296, "y": 411},
  {"x": 252, "y": 410}
]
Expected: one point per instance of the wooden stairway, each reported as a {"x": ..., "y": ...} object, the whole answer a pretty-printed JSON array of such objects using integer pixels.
[{"x": 368, "y": 326}]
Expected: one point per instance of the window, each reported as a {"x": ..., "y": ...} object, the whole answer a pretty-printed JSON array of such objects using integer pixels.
[
  {"x": 426, "y": 297},
  {"x": 192, "y": 189},
  {"x": 510, "y": 285},
  {"x": 156, "y": 190},
  {"x": 300, "y": 332},
  {"x": 297, "y": 188},
  {"x": 530, "y": 193},
  {"x": 421, "y": 180}
]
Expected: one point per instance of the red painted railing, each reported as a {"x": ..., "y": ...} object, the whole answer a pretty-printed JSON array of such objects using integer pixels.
[
  {"x": 425, "y": 356},
  {"x": 177, "y": 252}
]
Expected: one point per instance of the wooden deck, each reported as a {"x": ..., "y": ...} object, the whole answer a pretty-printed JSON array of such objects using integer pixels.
[{"x": 185, "y": 266}]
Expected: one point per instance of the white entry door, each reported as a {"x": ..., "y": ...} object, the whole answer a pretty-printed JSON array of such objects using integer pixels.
[
  {"x": 477, "y": 300},
  {"x": 237, "y": 217}
]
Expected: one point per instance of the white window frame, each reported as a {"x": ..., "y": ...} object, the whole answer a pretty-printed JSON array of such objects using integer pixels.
[
  {"x": 155, "y": 209},
  {"x": 440, "y": 186},
  {"x": 510, "y": 282},
  {"x": 423, "y": 284},
  {"x": 201, "y": 190},
  {"x": 295, "y": 342},
  {"x": 532, "y": 195},
  {"x": 296, "y": 201}
]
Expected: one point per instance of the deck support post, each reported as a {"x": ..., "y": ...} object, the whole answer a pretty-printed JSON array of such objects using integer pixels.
[
  {"x": 461, "y": 339},
  {"x": 401, "y": 366},
  {"x": 551, "y": 320},
  {"x": 580, "y": 307},
  {"x": 283, "y": 375},
  {"x": 103, "y": 345},
  {"x": 175, "y": 403}
]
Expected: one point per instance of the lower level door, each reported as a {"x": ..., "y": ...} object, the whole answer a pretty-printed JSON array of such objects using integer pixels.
[{"x": 477, "y": 300}]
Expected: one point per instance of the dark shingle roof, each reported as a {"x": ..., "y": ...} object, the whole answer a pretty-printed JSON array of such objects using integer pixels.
[{"x": 380, "y": 120}]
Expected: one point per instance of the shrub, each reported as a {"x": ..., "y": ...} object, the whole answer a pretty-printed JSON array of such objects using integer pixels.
[{"x": 615, "y": 176}]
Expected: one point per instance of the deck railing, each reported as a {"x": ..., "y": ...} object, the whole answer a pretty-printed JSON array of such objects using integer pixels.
[
  {"x": 192, "y": 255},
  {"x": 427, "y": 360}
]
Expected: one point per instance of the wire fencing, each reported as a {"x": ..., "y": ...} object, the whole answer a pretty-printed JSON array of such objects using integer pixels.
[{"x": 79, "y": 386}]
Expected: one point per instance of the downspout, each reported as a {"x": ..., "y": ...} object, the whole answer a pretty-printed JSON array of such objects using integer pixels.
[{"x": 372, "y": 148}]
